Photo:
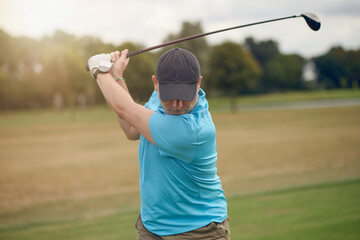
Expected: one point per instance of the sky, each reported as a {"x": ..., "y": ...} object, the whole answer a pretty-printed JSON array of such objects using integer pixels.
[{"x": 148, "y": 22}]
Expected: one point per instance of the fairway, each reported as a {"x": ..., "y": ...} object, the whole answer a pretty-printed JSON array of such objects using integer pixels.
[
  {"x": 287, "y": 174},
  {"x": 311, "y": 213}
]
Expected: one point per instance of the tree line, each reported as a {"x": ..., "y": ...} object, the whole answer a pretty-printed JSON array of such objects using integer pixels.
[{"x": 50, "y": 72}]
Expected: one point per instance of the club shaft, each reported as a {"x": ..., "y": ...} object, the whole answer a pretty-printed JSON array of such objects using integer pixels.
[
  {"x": 130, "y": 54},
  {"x": 137, "y": 52}
]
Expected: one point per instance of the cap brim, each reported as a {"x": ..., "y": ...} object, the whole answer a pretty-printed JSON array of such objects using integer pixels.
[{"x": 177, "y": 91}]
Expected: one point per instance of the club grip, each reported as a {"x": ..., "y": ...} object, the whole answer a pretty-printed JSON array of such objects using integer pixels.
[
  {"x": 130, "y": 54},
  {"x": 133, "y": 53}
]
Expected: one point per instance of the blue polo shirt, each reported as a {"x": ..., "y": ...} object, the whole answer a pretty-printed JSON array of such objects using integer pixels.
[{"x": 179, "y": 188}]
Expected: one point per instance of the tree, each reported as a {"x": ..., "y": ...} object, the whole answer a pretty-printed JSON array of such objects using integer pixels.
[
  {"x": 64, "y": 70},
  {"x": 284, "y": 72},
  {"x": 232, "y": 70},
  {"x": 7, "y": 69},
  {"x": 16, "y": 68},
  {"x": 280, "y": 72},
  {"x": 198, "y": 47},
  {"x": 139, "y": 73},
  {"x": 263, "y": 51},
  {"x": 338, "y": 68},
  {"x": 352, "y": 69}
]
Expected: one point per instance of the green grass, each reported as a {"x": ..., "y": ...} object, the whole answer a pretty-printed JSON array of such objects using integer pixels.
[
  {"x": 40, "y": 117},
  {"x": 287, "y": 174},
  {"x": 326, "y": 211},
  {"x": 95, "y": 114},
  {"x": 319, "y": 212},
  {"x": 299, "y": 96},
  {"x": 267, "y": 100}
]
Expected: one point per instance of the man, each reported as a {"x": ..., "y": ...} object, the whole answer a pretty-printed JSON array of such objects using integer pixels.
[{"x": 181, "y": 194}]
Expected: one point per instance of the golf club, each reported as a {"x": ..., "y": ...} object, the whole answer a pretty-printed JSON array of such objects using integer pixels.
[{"x": 311, "y": 19}]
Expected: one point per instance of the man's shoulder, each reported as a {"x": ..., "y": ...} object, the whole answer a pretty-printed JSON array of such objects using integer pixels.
[
  {"x": 202, "y": 103},
  {"x": 153, "y": 102}
]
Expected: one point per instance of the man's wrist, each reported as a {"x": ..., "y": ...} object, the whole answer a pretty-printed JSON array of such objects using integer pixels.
[
  {"x": 96, "y": 72},
  {"x": 120, "y": 79},
  {"x": 117, "y": 75}
]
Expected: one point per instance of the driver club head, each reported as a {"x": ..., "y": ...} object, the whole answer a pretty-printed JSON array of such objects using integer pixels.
[{"x": 312, "y": 20}]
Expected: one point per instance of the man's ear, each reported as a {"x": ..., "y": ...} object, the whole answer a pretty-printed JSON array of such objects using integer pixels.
[
  {"x": 156, "y": 84},
  {"x": 199, "y": 83}
]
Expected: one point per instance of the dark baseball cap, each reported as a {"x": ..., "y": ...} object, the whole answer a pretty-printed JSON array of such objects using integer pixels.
[{"x": 178, "y": 72}]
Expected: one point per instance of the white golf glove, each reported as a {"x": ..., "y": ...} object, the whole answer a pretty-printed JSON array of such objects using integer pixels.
[{"x": 100, "y": 63}]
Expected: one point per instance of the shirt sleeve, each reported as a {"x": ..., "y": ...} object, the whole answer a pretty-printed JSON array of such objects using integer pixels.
[{"x": 174, "y": 136}]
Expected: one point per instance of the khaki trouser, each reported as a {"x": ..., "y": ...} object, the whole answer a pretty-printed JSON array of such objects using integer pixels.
[{"x": 219, "y": 231}]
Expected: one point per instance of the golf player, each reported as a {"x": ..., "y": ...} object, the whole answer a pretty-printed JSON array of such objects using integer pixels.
[{"x": 181, "y": 194}]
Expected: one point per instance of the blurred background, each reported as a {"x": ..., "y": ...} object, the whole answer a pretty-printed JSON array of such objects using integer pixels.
[
  {"x": 45, "y": 45},
  {"x": 285, "y": 101}
]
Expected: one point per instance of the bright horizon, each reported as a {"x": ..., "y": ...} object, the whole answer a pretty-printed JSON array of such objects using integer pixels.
[{"x": 140, "y": 22}]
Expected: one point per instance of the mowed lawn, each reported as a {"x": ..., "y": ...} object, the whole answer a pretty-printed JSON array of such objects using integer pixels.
[{"x": 290, "y": 174}]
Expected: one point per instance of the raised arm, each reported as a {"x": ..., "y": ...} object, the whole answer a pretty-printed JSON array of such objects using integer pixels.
[
  {"x": 134, "y": 118},
  {"x": 130, "y": 132}
]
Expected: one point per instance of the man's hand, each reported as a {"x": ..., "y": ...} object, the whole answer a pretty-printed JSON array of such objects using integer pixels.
[
  {"x": 115, "y": 63},
  {"x": 120, "y": 61},
  {"x": 100, "y": 63}
]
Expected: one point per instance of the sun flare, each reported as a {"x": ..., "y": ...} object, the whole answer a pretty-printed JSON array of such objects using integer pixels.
[{"x": 38, "y": 17}]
